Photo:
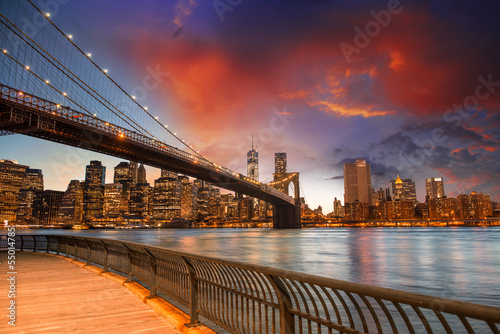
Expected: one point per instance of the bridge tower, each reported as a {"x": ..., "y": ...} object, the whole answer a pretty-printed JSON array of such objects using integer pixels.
[{"x": 287, "y": 216}]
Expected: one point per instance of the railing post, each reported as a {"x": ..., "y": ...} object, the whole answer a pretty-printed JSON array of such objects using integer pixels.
[
  {"x": 34, "y": 243},
  {"x": 105, "y": 265},
  {"x": 287, "y": 324},
  {"x": 193, "y": 293},
  {"x": 22, "y": 243},
  {"x": 76, "y": 250},
  {"x": 89, "y": 253},
  {"x": 129, "y": 265},
  {"x": 47, "y": 241},
  {"x": 152, "y": 274}
]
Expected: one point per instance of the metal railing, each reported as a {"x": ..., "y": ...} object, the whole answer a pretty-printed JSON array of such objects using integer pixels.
[{"x": 246, "y": 298}]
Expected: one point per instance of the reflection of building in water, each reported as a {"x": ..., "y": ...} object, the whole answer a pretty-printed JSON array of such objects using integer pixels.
[{"x": 364, "y": 265}]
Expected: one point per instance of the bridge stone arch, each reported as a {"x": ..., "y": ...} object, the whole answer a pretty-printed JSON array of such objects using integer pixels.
[{"x": 287, "y": 216}]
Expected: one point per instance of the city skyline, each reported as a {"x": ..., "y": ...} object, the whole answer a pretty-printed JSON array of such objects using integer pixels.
[{"x": 321, "y": 121}]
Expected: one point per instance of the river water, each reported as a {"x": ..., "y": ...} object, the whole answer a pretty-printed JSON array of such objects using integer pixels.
[{"x": 449, "y": 262}]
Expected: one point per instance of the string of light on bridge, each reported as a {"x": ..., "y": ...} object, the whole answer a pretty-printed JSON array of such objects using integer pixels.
[{"x": 83, "y": 91}]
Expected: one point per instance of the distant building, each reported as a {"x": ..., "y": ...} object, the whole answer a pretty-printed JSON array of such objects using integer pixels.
[
  {"x": 475, "y": 206},
  {"x": 33, "y": 181},
  {"x": 403, "y": 190},
  {"x": 71, "y": 205},
  {"x": 434, "y": 188},
  {"x": 141, "y": 174},
  {"x": 357, "y": 210},
  {"x": 46, "y": 206},
  {"x": 280, "y": 163},
  {"x": 443, "y": 208},
  {"x": 338, "y": 209},
  {"x": 113, "y": 199},
  {"x": 93, "y": 190},
  {"x": 357, "y": 182},
  {"x": 134, "y": 172},
  {"x": 253, "y": 164},
  {"x": 11, "y": 182},
  {"x": 187, "y": 197},
  {"x": 166, "y": 200},
  {"x": 140, "y": 196}
]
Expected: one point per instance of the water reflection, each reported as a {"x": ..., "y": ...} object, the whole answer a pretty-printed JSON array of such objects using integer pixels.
[{"x": 461, "y": 263}]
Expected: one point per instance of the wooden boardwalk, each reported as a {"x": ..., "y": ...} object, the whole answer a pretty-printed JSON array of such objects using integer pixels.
[{"x": 56, "y": 296}]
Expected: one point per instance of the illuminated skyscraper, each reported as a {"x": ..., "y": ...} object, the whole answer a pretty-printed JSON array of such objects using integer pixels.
[
  {"x": 434, "y": 188},
  {"x": 279, "y": 163},
  {"x": 71, "y": 205},
  {"x": 166, "y": 202},
  {"x": 33, "y": 181},
  {"x": 253, "y": 164},
  {"x": 93, "y": 190},
  {"x": 357, "y": 182},
  {"x": 140, "y": 196},
  {"x": 113, "y": 199},
  {"x": 46, "y": 205},
  {"x": 133, "y": 172},
  {"x": 141, "y": 174},
  {"x": 11, "y": 181},
  {"x": 187, "y": 197},
  {"x": 122, "y": 173}
]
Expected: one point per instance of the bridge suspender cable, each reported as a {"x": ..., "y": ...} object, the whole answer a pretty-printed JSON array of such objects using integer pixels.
[{"x": 120, "y": 88}]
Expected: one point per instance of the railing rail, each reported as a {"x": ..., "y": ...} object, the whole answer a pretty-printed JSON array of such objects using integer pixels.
[{"x": 247, "y": 298}]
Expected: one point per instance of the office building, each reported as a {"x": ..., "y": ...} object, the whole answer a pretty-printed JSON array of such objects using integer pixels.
[
  {"x": 33, "y": 181},
  {"x": 166, "y": 201},
  {"x": 338, "y": 209},
  {"x": 12, "y": 177},
  {"x": 140, "y": 198},
  {"x": 279, "y": 163},
  {"x": 46, "y": 206},
  {"x": 434, "y": 188},
  {"x": 357, "y": 182},
  {"x": 71, "y": 205},
  {"x": 93, "y": 191},
  {"x": 141, "y": 174},
  {"x": 403, "y": 190},
  {"x": 253, "y": 164},
  {"x": 187, "y": 197},
  {"x": 134, "y": 172},
  {"x": 113, "y": 199}
]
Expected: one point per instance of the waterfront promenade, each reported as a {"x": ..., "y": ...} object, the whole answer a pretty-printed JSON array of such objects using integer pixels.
[{"x": 56, "y": 295}]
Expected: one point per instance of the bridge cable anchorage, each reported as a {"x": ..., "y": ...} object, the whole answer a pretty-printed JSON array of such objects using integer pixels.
[{"x": 118, "y": 86}]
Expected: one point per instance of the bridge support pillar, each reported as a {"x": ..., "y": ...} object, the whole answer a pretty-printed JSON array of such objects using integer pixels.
[{"x": 286, "y": 216}]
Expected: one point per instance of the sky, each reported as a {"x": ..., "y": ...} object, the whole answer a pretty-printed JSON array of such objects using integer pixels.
[{"x": 413, "y": 87}]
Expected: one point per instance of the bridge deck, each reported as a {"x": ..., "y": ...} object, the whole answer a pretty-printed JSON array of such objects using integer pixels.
[{"x": 55, "y": 296}]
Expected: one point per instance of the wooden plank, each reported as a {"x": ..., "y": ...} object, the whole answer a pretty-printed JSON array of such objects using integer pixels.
[{"x": 55, "y": 296}]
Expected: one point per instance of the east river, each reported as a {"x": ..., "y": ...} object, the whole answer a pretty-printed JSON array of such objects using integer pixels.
[{"x": 450, "y": 262}]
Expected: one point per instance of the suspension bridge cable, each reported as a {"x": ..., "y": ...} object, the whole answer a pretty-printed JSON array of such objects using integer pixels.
[
  {"x": 118, "y": 86},
  {"x": 138, "y": 126}
]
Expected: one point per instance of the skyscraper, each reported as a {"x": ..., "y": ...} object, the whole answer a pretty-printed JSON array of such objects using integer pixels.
[
  {"x": 11, "y": 181},
  {"x": 46, "y": 205},
  {"x": 33, "y": 181},
  {"x": 133, "y": 172},
  {"x": 93, "y": 190},
  {"x": 71, "y": 205},
  {"x": 403, "y": 190},
  {"x": 122, "y": 173},
  {"x": 166, "y": 202},
  {"x": 280, "y": 163},
  {"x": 357, "y": 182},
  {"x": 253, "y": 164},
  {"x": 434, "y": 188},
  {"x": 141, "y": 174}
]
